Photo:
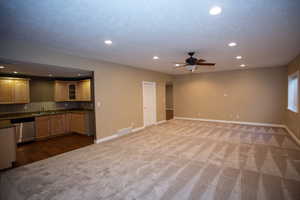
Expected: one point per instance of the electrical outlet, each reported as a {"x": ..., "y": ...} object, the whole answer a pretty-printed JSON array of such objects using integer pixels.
[{"x": 98, "y": 104}]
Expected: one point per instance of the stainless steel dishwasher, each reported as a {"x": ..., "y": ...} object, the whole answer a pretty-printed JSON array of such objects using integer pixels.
[{"x": 25, "y": 129}]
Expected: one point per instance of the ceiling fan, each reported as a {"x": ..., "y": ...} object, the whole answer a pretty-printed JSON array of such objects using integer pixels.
[{"x": 192, "y": 64}]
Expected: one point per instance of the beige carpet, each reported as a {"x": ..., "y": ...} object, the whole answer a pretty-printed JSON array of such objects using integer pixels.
[{"x": 176, "y": 160}]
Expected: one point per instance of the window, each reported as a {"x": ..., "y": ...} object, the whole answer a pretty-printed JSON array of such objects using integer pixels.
[{"x": 293, "y": 92}]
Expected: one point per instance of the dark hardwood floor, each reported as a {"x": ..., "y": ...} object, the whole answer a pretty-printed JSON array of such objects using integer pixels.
[{"x": 39, "y": 150}]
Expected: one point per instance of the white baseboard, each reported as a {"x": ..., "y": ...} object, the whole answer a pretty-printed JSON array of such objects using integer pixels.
[
  {"x": 106, "y": 139},
  {"x": 117, "y": 135},
  {"x": 160, "y": 122},
  {"x": 123, "y": 132},
  {"x": 137, "y": 129},
  {"x": 246, "y": 123},
  {"x": 292, "y": 135},
  {"x": 233, "y": 122}
]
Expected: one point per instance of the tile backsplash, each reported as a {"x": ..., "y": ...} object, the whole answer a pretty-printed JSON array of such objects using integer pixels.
[{"x": 43, "y": 106}]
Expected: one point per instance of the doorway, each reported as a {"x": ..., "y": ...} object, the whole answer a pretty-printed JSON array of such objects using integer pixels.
[
  {"x": 169, "y": 102},
  {"x": 149, "y": 103}
]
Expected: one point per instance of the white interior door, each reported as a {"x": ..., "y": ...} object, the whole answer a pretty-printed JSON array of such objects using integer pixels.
[{"x": 149, "y": 103}]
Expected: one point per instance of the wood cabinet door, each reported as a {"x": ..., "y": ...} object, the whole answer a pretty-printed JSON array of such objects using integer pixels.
[
  {"x": 67, "y": 122},
  {"x": 21, "y": 91},
  {"x": 61, "y": 92},
  {"x": 77, "y": 123},
  {"x": 42, "y": 126},
  {"x": 86, "y": 90},
  {"x": 6, "y": 91},
  {"x": 57, "y": 124},
  {"x": 79, "y": 91}
]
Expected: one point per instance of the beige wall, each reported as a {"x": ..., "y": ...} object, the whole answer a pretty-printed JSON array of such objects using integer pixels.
[
  {"x": 169, "y": 96},
  {"x": 117, "y": 87},
  {"x": 41, "y": 90},
  {"x": 254, "y": 95},
  {"x": 292, "y": 119}
]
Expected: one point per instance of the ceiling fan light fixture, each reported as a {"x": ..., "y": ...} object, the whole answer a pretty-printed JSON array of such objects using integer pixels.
[
  {"x": 191, "y": 67},
  {"x": 232, "y": 44},
  {"x": 215, "y": 10},
  {"x": 108, "y": 42}
]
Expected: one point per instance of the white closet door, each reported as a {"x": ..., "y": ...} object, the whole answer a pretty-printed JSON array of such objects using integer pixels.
[{"x": 149, "y": 103}]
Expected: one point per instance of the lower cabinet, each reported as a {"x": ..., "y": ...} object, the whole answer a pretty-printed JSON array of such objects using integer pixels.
[
  {"x": 77, "y": 123},
  {"x": 58, "y": 124},
  {"x": 7, "y": 147},
  {"x": 42, "y": 127}
]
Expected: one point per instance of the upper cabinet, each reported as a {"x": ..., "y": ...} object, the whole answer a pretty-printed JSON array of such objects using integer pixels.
[
  {"x": 6, "y": 91},
  {"x": 84, "y": 90},
  {"x": 73, "y": 90},
  {"x": 61, "y": 91},
  {"x": 21, "y": 91},
  {"x": 14, "y": 91}
]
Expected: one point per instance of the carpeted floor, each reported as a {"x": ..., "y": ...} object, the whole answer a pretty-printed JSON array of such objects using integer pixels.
[{"x": 176, "y": 160}]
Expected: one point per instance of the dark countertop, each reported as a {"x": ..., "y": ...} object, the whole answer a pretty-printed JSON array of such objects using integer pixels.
[
  {"x": 7, "y": 117},
  {"x": 5, "y": 124}
]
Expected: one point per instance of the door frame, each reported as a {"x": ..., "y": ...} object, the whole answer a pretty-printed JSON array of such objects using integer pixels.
[{"x": 155, "y": 106}]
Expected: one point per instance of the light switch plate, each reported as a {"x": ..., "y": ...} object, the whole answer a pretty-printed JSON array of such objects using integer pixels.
[{"x": 98, "y": 104}]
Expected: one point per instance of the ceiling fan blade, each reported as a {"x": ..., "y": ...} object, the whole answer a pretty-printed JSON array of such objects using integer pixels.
[
  {"x": 207, "y": 64},
  {"x": 200, "y": 60},
  {"x": 179, "y": 64},
  {"x": 182, "y": 65}
]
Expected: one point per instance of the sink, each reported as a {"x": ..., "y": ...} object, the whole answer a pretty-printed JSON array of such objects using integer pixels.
[{"x": 43, "y": 113}]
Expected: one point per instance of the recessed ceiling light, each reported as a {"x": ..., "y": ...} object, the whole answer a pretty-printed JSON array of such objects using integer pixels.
[
  {"x": 50, "y": 75},
  {"x": 108, "y": 42},
  {"x": 215, "y": 10},
  {"x": 232, "y": 44},
  {"x": 2, "y": 67},
  {"x": 242, "y": 65},
  {"x": 15, "y": 72},
  {"x": 239, "y": 57},
  {"x": 177, "y": 65},
  {"x": 155, "y": 57}
]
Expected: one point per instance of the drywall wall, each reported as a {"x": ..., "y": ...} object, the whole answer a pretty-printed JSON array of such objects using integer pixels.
[
  {"x": 41, "y": 90},
  {"x": 292, "y": 119},
  {"x": 169, "y": 97},
  {"x": 118, "y": 88},
  {"x": 250, "y": 95}
]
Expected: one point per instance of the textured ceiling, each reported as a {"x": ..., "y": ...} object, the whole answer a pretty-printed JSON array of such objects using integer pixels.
[{"x": 267, "y": 31}]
